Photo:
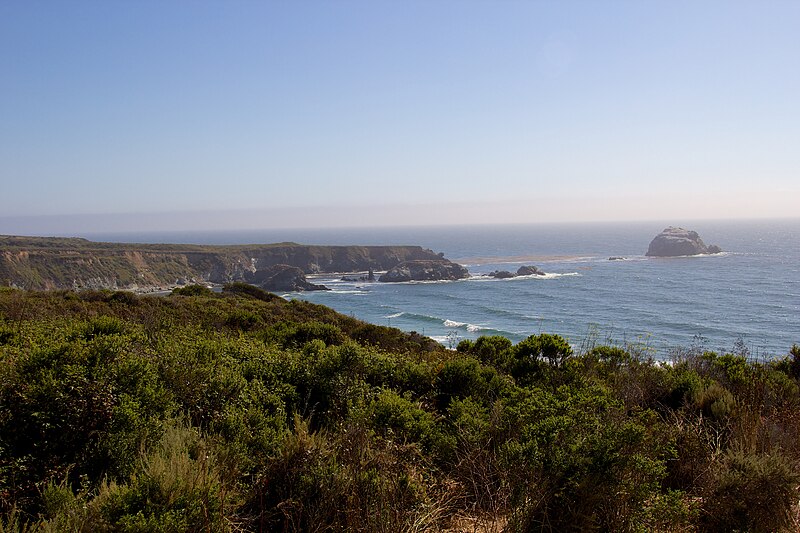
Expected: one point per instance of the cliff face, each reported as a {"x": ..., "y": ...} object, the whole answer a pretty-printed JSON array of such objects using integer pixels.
[{"x": 57, "y": 263}]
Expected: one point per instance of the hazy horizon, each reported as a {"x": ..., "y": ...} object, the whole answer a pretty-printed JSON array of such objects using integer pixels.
[
  {"x": 224, "y": 222},
  {"x": 210, "y": 115}
]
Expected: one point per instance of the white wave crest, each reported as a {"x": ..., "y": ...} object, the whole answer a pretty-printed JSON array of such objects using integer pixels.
[
  {"x": 469, "y": 327},
  {"x": 355, "y": 291},
  {"x": 395, "y": 315},
  {"x": 549, "y": 275}
]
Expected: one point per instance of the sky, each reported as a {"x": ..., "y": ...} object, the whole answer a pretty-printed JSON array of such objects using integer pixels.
[{"x": 146, "y": 115}]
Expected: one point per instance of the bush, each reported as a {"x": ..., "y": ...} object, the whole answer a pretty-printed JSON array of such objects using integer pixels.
[
  {"x": 193, "y": 290},
  {"x": 491, "y": 350},
  {"x": 124, "y": 298},
  {"x": 242, "y": 320},
  {"x": 752, "y": 492},
  {"x": 245, "y": 289},
  {"x": 398, "y": 418},
  {"x": 294, "y": 334},
  {"x": 102, "y": 325}
]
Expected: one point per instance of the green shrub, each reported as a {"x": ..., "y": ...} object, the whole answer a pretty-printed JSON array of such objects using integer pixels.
[
  {"x": 7, "y": 336},
  {"x": 464, "y": 377},
  {"x": 536, "y": 356},
  {"x": 245, "y": 289},
  {"x": 102, "y": 325},
  {"x": 293, "y": 334},
  {"x": 242, "y": 320},
  {"x": 181, "y": 486},
  {"x": 491, "y": 350},
  {"x": 343, "y": 482},
  {"x": 465, "y": 346},
  {"x": 124, "y": 298},
  {"x": 752, "y": 492},
  {"x": 193, "y": 290},
  {"x": 398, "y": 418},
  {"x": 715, "y": 401}
]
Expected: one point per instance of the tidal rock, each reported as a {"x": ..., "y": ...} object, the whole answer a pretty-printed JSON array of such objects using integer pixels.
[
  {"x": 283, "y": 278},
  {"x": 521, "y": 271},
  {"x": 529, "y": 270},
  {"x": 674, "y": 242},
  {"x": 501, "y": 274},
  {"x": 424, "y": 271}
]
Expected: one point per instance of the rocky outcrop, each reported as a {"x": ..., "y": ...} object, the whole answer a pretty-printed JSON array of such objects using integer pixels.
[
  {"x": 529, "y": 271},
  {"x": 283, "y": 278},
  {"x": 521, "y": 271},
  {"x": 434, "y": 270},
  {"x": 501, "y": 274},
  {"x": 673, "y": 242}
]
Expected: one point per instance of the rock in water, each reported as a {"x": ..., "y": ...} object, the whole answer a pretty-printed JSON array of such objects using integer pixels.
[
  {"x": 425, "y": 271},
  {"x": 283, "y": 278},
  {"x": 501, "y": 274},
  {"x": 529, "y": 270},
  {"x": 521, "y": 271},
  {"x": 674, "y": 242}
]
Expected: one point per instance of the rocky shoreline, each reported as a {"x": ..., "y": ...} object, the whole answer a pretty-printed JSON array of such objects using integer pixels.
[{"x": 47, "y": 263}]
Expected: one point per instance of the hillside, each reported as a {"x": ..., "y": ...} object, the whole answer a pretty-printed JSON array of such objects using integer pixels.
[
  {"x": 241, "y": 411},
  {"x": 72, "y": 263}
]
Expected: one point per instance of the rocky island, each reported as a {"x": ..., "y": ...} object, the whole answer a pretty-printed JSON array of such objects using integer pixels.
[{"x": 673, "y": 242}]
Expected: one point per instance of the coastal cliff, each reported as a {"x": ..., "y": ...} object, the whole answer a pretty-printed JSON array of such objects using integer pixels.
[{"x": 72, "y": 263}]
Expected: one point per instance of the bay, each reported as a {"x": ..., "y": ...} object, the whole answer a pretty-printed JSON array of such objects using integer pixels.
[{"x": 746, "y": 299}]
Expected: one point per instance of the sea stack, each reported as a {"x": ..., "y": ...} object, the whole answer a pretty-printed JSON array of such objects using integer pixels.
[{"x": 673, "y": 242}]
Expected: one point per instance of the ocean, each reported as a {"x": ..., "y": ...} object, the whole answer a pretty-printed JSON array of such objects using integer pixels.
[{"x": 743, "y": 300}]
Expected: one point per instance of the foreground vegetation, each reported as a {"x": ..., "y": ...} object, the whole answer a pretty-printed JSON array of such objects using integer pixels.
[{"x": 241, "y": 411}]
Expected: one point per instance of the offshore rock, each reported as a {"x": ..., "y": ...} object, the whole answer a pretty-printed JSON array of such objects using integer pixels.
[
  {"x": 673, "y": 242},
  {"x": 521, "y": 271},
  {"x": 501, "y": 274},
  {"x": 529, "y": 270},
  {"x": 283, "y": 278},
  {"x": 437, "y": 270}
]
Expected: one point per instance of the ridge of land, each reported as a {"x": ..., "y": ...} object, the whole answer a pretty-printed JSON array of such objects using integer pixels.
[{"x": 75, "y": 263}]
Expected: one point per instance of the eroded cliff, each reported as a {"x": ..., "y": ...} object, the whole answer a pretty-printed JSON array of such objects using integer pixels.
[{"x": 71, "y": 263}]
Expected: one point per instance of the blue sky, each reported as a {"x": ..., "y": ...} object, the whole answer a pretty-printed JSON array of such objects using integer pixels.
[{"x": 246, "y": 114}]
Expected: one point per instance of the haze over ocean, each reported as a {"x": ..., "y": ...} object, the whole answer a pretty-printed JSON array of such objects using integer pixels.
[{"x": 750, "y": 292}]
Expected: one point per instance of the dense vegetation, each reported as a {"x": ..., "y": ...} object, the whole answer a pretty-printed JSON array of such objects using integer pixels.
[{"x": 241, "y": 411}]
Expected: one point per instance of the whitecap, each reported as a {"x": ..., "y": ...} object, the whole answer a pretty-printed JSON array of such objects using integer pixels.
[
  {"x": 340, "y": 291},
  {"x": 472, "y": 328}
]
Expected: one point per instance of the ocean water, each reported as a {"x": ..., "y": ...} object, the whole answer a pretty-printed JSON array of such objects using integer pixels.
[{"x": 746, "y": 297}]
